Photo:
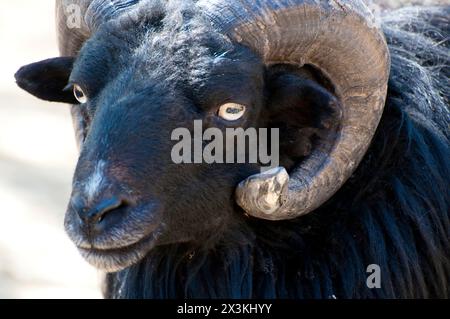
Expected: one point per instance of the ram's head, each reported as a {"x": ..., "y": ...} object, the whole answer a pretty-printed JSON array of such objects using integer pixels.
[{"x": 136, "y": 72}]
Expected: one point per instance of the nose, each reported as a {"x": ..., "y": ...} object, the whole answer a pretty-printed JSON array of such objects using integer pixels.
[{"x": 94, "y": 216}]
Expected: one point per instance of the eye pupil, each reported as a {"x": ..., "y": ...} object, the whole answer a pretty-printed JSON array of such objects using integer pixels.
[{"x": 233, "y": 110}]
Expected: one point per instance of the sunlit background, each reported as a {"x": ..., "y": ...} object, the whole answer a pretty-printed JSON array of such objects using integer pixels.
[{"x": 37, "y": 158}]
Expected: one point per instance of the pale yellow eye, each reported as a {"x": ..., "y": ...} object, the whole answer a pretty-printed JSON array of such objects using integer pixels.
[
  {"x": 231, "y": 111},
  {"x": 79, "y": 94}
]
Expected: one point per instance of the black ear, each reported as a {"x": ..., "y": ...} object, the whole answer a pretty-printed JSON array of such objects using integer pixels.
[
  {"x": 47, "y": 79},
  {"x": 303, "y": 106}
]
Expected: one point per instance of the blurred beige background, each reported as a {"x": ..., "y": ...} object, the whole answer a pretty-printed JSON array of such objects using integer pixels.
[{"x": 37, "y": 157}]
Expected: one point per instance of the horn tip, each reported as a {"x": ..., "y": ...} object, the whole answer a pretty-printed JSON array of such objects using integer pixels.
[{"x": 261, "y": 195}]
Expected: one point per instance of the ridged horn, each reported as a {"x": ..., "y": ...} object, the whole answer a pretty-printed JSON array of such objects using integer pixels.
[
  {"x": 76, "y": 20},
  {"x": 343, "y": 40}
]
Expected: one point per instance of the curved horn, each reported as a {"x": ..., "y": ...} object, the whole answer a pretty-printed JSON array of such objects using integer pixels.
[
  {"x": 77, "y": 19},
  {"x": 343, "y": 40}
]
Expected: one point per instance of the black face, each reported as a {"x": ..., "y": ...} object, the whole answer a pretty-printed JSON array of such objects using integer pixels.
[{"x": 128, "y": 194}]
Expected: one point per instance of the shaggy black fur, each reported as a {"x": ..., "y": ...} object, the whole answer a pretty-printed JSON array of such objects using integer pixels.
[{"x": 393, "y": 212}]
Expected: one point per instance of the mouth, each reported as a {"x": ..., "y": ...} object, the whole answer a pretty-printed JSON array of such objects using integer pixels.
[
  {"x": 123, "y": 238},
  {"x": 116, "y": 259}
]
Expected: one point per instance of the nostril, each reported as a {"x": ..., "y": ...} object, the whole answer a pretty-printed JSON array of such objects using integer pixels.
[{"x": 98, "y": 213}]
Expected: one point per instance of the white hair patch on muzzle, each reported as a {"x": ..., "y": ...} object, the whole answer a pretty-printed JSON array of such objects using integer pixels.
[{"x": 94, "y": 183}]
